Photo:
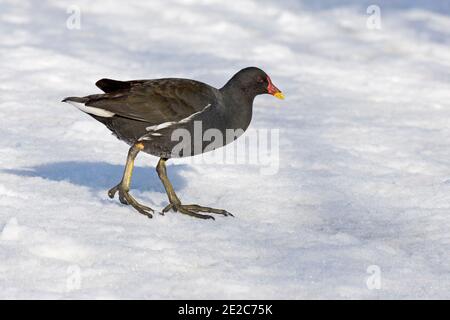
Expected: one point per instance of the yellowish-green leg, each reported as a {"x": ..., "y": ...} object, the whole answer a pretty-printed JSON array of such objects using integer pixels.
[
  {"x": 124, "y": 186},
  {"x": 175, "y": 203}
]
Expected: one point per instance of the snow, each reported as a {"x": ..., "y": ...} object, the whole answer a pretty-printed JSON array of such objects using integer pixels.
[
  {"x": 11, "y": 231},
  {"x": 361, "y": 196}
]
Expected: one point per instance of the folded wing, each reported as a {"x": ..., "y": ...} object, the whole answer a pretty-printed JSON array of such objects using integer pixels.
[{"x": 152, "y": 101}]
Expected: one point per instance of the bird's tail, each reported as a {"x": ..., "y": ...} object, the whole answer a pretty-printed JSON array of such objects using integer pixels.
[
  {"x": 80, "y": 103},
  {"x": 75, "y": 99}
]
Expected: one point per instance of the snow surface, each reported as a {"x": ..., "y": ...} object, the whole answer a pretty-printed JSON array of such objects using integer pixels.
[{"x": 364, "y": 175}]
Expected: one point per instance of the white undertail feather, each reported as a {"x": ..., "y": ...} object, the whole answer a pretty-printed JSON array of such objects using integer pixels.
[{"x": 92, "y": 110}]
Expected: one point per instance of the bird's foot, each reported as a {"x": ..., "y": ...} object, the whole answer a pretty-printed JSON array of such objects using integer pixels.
[
  {"x": 193, "y": 210},
  {"x": 126, "y": 198}
]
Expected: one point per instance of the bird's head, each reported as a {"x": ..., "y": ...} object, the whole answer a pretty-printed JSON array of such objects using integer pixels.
[{"x": 253, "y": 81}]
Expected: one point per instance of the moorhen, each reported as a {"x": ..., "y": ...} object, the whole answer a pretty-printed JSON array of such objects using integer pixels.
[{"x": 152, "y": 115}]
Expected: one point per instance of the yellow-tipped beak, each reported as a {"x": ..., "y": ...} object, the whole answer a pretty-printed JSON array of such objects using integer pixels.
[
  {"x": 279, "y": 95},
  {"x": 271, "y": 89}
]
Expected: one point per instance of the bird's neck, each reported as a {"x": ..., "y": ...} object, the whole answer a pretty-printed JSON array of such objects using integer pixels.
[
  {"x": 240, "y": 105},
  {"x": 234, "y": 93}
]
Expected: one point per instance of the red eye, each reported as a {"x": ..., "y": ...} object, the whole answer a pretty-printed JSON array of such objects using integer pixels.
[{"x": 260, "y": 80}]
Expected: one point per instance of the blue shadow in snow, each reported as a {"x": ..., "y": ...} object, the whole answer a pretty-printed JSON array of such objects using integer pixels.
[{"x": 102, "y": 175}]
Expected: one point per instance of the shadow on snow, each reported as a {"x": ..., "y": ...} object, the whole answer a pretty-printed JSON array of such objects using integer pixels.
[{"x": 102, "y": 175}]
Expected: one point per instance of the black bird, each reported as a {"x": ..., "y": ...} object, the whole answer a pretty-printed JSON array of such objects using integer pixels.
[{"x": 152, "y": 115}]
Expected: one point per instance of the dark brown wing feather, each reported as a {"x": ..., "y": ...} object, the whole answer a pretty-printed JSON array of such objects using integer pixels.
[
  {"x": 110, "y": 85},
  {"x": 153, "y": 101}
]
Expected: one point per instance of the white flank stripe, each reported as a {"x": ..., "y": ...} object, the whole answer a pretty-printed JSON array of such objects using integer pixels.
[
  {"x": 160, "y": 126},
  {"x": 168, "y": 124}
]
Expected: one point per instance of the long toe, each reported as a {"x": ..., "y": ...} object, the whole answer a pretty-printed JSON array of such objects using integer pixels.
[
  {"x": 146, "y": 211},
  {"x": 197, "y": 208},
  {"x": 143, "y": 210},
  {"x": 123, "y": 197},
  {"x": 194, "y": 210},
  {"x": 127, "y": 199},
  {"x": 191, "y": 213}
]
